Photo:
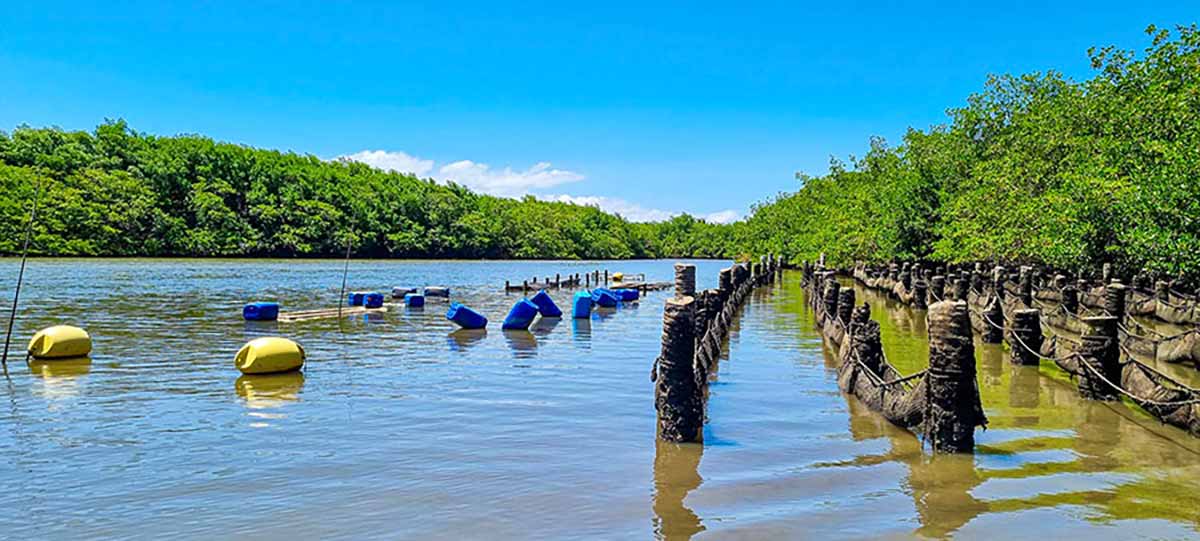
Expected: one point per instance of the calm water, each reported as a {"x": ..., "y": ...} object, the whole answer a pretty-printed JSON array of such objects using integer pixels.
[{"x": 401, "y": 428}]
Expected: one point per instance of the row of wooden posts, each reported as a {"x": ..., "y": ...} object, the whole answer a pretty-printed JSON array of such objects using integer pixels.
[
  {"x": 695, "y": 325},
  {"x": 573, "y": 280},
  {"x": 1006, "y": 306},
  {"x": 941, "y": 403}
]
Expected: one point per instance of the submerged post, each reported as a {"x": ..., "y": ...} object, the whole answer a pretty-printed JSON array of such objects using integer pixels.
[
  {"x": 954, "y": 408},
  {"x": 845, "y": 305},
  {"x": 1026, "y": 335},
  {"x": 961, "y": 286},
  {"x": 937, "y": 288},
  {"x": 677, "y": 394},
  {"x": 1099, "y": 350}
]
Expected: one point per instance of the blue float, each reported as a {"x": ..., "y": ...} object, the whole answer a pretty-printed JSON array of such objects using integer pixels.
[
  {"x": 356, "y": 298},
  {"x": 413, "y": 300},
  {"x": 581, "y": 306},
  {"x": 261, "y": 311},
  {"x": 546, "y": 305},
  {"x": 626, "y": 294},
  {"x": 465, "y": 317},
  {"x": 373, "y": 300},
  {"x": 521, "y": 315},
  {"x": 604, "y": 298}
]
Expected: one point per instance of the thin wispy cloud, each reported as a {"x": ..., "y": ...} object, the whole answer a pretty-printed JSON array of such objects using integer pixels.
[{"x": 509, "y": 182}]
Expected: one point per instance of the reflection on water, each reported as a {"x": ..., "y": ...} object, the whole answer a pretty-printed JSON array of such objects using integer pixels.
[
  {"x": 269, "y": 391},
  {"x": 61, "y": 368},
  {"x": 581, "y": 330},
  {"x": 675, "y": 475},
  {"x": 522, "y": 343},
  {"x": 543, "y": 326},
  {"x": 604, "y": 312},
  {"x": 464, "y": 339}
]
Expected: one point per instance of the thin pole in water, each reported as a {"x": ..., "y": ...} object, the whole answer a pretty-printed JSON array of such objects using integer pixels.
[
  {"x": 12, "y": 316},
  {"x": 345, "y": 271}
]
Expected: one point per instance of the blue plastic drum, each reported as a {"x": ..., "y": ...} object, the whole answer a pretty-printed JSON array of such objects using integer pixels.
[
  {"x": 465, "y": 317},
  {"x": 521, "y": 315},
  {"x": 546, "y": 305},
  {"x": 581, "y": 306},
  {"x": 261, "y": 311}
]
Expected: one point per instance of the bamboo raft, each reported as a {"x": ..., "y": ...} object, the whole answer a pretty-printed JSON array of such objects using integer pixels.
[{"x": 327, "y": 313}]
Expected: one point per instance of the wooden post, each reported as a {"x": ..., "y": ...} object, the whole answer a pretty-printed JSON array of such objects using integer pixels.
[
  {"x": 1070, "y": 298},
  {"x": 605, "y": 276},
  {"x": 919, "y": 293},
  {"x": 685, "y": 280},
  {"x": 993, "y": 324},
  {"x": 954, "y": 409},
  {"x": 998, "y": 278},
  {"x": 1099, "y": 350},
  {"x": 937, "y": 289},
  {"x": 677, "y": 393},
  {"x": 506, "y": 287},
  {"x": 1025, "y": 285},
  {"x": 961, "y": 286},
  {"x": 1026, "y": 333},
  {"x": 1114, "y": 300},
  {"x": 845, "y": 305}
]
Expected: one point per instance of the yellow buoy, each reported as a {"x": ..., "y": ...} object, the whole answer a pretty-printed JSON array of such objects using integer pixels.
[
  {"x": 60, "y": 342},
  {"x": 269, "y": 355},
  {"x": 617, "y": 276}
]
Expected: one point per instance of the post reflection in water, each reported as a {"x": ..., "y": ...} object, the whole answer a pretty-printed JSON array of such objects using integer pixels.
[
  {"x": 940, "y": 485},
  {"x": 676, "y": 473}
]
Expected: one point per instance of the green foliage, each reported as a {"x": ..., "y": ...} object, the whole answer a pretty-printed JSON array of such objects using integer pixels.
[
  {"x": 118, "y": 192},
  {"x": 1034, "y": 168}
]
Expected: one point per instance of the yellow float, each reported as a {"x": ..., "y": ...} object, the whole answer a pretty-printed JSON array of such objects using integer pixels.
[
  {"x": 269, "y": 355},
  {"x": 60, "y": 342},
  {"x": 618, "y": 276}
]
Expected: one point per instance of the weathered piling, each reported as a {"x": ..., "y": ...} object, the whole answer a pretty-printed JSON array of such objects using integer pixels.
[
  {"x": 1099, "y": 351},
  {"x": 1025, "y": 336},
  {"x": 998, "y": 277},
  {"x": 993, "y": 324},
  {"x": 937, "y": 289},
  {"x": 725, "y": 282},
  {"x": 919, "y": 294},
  {"x": 1025, "y": 286},
  {"x": 1070, "y": 299},
  {"x": 830, "y": 298},
  {"x": 685, "y": 280},
  {"x": 845, "y": 305},
  {"x": 677, "y": 391},
  {"x": 961, "y": 286},
  {"x": 1114, "y": 300},
  {"x": 954, "y": 408}
]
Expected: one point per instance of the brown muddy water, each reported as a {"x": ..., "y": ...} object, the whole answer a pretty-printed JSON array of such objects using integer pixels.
[{"x": 402, "y": 428}]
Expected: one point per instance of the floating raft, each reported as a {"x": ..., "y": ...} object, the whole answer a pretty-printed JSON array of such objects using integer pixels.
[
  {"x": 326, "y": 313},
  {"x": 643, "y": 286}
]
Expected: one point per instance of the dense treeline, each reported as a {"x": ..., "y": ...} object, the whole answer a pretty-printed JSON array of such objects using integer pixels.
[
  {"x": 1034, "y": 168},
  {"x": 122, "y": 193}
]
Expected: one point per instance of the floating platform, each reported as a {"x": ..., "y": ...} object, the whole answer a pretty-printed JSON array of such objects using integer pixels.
[
  {"x": 643, "y": 286},
  {"x": 327, "y": 313}
]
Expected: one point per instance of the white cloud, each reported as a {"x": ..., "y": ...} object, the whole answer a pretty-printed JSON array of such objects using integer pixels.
[
  {"x": 506, "y": 182},
  {"x": 722, "y": 217},
  {"x": 401, "y": 162},
  {"x": 635, "y": 212}
]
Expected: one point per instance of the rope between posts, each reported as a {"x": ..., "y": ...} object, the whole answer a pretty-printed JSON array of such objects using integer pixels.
[{"x": 1136, "y": 398}]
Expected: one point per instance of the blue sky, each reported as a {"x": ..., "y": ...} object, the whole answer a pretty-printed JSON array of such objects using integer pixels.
[{"x": 644, "y": 109}]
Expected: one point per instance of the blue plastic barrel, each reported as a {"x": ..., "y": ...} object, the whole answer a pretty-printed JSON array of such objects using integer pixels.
[
  {"x": 356, "y": 298},
  {"x": 261, "y": 311},
  {"x": 581, "y": 306},
  {"x": 604, "y": 297},
  {"x": 413, "y": 300},
  {"x": 400, "y": 292},
  {"x": 465, "y": 317},
  {"x": 626, "y": 294},
  {"x": 373, "y": 300},
  {"x": 521, "y": 315},
  {"x": 546, "y": 305}
]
